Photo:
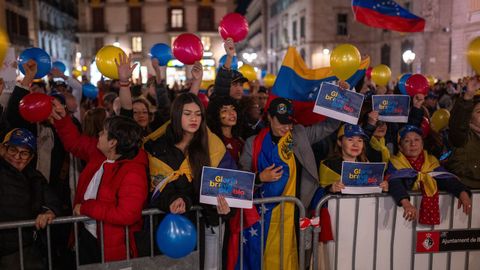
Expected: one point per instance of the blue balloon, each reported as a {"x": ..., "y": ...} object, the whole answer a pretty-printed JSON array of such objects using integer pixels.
[
  {"x": 162, "y": 52},
  {"x": 234, "y": 64},
  {"x": 176, "y": 236},
  {"x": 60, "y": 66},
  {"x": 264, "y": 73},
  {"x": 402, "y": 81},
  {"x": 90, "y": 91},
  {"x": 44, "y": 63}
]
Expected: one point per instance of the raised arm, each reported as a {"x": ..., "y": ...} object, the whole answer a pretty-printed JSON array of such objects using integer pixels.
[
  {"x": 197, "y": 76},
  {"x": 81, "y": 146},
  {"x": 125, "y": 70}
]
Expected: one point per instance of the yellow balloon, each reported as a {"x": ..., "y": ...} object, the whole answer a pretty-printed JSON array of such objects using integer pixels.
[
  {"x": 248, "y": 72},
  {"x": 4, "y": 43},
  {"x": 440, "y": 119},
  {"x": 105, "y": 60},
  {"x": 431, "y": 80},
  {"x": 76, "y": 73},
  {"x": 345, "y": 61},
  {"x": 381, "y": 75},
  {"x": 473, "y": 54},
  {"x": 269, "y": 80}
]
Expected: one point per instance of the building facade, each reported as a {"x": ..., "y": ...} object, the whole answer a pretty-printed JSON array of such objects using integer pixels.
[
  {"x": 136, "y": 25},
  {"x": 315, "y": 27},
  {"x": 465, "y": 27},
  {"x": 18, "y": 18}
]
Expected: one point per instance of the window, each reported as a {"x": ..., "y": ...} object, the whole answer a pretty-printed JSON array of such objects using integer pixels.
[
  {"x": 98, "y": 43},
  {"x": 98, "y": 24},
  {"x": 342, "y": 29},
  {"x": 385, "y": 55},
  {"x": 206, "y": 43},
  {"x": 206, "y": 16},
  {"x": 302, "y": 27},
  {"x": 136, "y": 19},
  {"x": 176, "y": 18},
  {"x": 137, "y": 44},
  {"x": 294, "y": 31}
]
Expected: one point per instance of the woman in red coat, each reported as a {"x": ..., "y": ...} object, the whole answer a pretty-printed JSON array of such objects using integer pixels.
[{"x": 113, "y": 186}]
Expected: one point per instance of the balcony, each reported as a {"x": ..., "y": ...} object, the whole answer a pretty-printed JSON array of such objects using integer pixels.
[
  {"x": 136, "y": 27},
  {"x": 20, "y": 40}
]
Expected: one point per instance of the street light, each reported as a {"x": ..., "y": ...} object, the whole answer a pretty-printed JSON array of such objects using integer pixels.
[
  {"x": 249, "y": 56},
  {"x": 408, "y": 56}
]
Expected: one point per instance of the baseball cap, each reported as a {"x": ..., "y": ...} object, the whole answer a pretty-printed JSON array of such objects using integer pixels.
[
  {"x": 282, "y": 108},
  {"x": 409, "y": 128},
  {"x": 21, "y": 137},
  {"x": 237, "y": 77},
  {"x": 349, "y": 130}
]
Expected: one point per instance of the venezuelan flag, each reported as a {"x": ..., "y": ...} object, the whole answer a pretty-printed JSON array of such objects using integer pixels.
[
  {"x": 265, "y": 153},
  {"x": 297, "y": 82}
]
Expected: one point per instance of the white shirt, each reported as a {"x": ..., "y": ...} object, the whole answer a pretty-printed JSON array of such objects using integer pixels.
[{"x": 91, "y": 193}]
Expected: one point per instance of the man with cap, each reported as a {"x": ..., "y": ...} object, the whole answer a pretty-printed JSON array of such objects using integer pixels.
[
  {"x": 283, "y": 160},
  {"x": 25, "y": 195},
  {"x": 228, "y": 81}
]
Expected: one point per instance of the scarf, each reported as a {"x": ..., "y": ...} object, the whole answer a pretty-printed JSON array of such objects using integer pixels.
[{"x": 379, "y": 145}]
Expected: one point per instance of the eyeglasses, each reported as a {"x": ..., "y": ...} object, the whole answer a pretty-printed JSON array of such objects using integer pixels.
[{"x": 12, "y": 150}]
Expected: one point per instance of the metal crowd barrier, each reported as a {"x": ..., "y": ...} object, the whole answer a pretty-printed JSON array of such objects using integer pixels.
[
  {"x": 364, "y": 240},
  {"x": 19, "y": 225}
]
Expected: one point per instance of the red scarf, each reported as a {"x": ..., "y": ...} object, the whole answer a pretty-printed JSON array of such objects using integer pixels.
[{"x": 429, "y": 207}]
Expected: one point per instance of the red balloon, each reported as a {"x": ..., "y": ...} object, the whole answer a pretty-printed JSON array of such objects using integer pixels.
[
  {"x": 368, "y": 73},
  {"x": 188, "y": 48},
  {"x": 425, "y": 125},
  {"x": 233, "y": 25},
  {"x": 417, "y": 84},
  {"x": 35, "y": 107},
  {"x": 204, "y": 99}
]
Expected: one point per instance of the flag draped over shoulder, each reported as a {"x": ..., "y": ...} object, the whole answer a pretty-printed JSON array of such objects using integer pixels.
[
  {"x": 280, "y": 154},
  {"x": 386, "y": 14},
  {"x": 297, "y": 82}
]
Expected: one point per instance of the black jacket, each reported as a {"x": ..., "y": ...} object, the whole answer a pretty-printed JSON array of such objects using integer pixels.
[{"x": 23, "y": 195}]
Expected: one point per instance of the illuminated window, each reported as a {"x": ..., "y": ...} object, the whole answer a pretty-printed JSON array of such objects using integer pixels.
[
  {"x": 176, "y": 18},
  {"x": 137, "y": 44},
  {"x": 206, "y": 43}
]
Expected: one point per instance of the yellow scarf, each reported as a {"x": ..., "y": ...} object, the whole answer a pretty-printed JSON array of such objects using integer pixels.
[
  {"x": 379, "y": 145},
  {"x": 327, "y": 175},
  {"x": 431, "y": 163},
  {"x": 161, "y": 174}
]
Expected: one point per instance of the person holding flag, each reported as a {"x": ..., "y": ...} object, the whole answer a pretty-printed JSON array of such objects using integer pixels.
[{"x": 282, "y": 157}]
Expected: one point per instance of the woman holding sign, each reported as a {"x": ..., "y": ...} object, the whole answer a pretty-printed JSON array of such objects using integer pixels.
[
  {"x": 177, "y": 153},
  {"x": 350, "y": 146},
  {"x": 414, "y": 169}
]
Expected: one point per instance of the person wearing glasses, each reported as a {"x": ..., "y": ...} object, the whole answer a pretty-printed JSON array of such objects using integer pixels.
[{"x": 24, "y": 195}]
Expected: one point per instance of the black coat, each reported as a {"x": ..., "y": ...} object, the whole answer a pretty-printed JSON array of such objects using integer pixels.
[{"x": 23, "y": 195}]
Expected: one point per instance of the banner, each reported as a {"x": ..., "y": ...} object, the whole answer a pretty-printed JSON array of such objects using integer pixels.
[
  {"x": 453, "y": 240},
  {"x": 235, "y": 186},
  {"x": 362, "y": 177},
  {"x": 392, "y": 108},
  {"x": 338, "y": 103}
]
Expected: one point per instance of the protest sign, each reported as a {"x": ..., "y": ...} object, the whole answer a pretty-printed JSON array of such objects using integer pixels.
[
  {"x": 392, "y": 108},
  {"x": 338, "y": 103},
  {"x": 235, "y": 186},
  {"x": 362, "y": 177}
]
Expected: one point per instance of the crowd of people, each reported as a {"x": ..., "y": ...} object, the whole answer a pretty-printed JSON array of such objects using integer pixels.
[{"x": 144, "y": 146}]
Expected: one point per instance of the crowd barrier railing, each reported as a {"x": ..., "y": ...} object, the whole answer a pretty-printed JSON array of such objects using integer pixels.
[
  {"x": 150, "y": 213},
  {"x": 370, "y": 233}
]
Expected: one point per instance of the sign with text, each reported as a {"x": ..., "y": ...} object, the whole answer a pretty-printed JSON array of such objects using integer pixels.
[
  {"x": 338, "y": 103},
  {"x": 392, "y": 108},
  {"x": 362, "y": 177},
  {"x": 453, "y": 240},
  {"x": 235, "y": 186}
]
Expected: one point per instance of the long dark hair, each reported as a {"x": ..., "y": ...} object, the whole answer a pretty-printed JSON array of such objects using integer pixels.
[{"x": 197, "y": 149}]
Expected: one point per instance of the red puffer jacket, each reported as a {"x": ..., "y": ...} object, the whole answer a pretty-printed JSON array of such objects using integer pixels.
[{"x": 121, "y": 195}]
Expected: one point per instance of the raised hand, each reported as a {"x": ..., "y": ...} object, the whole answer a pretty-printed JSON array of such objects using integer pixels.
[
  {"x": 418, "y": 100},
  {"x": 124, "y": 67},
  {"x": 229, "y": 46},
  {"x": 197, "y": 71}
]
